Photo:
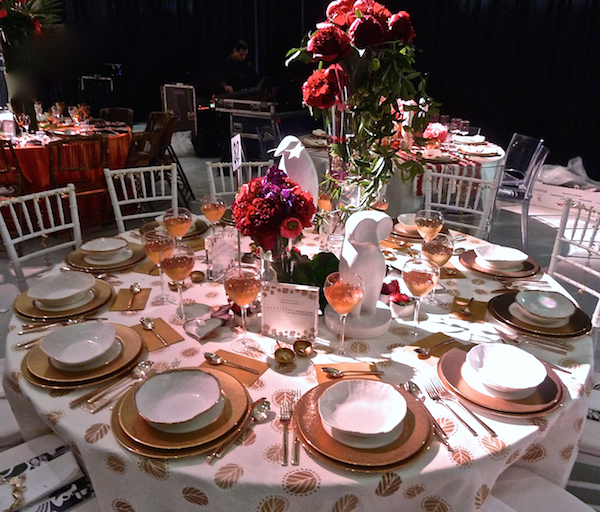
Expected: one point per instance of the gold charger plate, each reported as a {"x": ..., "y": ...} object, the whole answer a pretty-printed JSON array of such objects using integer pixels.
[
  {"x": 549, "y": 395},
  {"x": 499, "y": 307},
  {"x": 197, "y": 229},
  {"x": 529, "y": 267},
  {"x": 39, "y": 365},
  {"x": 236, "y": 404},
  {"x": 410, "y": 444},
  {"x": 24, "y": 305},
  {"x": 76, "y": 259}
]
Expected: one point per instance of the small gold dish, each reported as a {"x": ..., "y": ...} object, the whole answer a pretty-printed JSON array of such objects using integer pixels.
[{"x": 197, "y": 276}]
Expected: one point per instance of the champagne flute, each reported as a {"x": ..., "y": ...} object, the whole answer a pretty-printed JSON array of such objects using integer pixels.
[
  {"x": 178, "y": 221},
  {"x": 213, "y": 208},
  {"x": 343, "y": 291},
  {"x": 420, "y": 276},
  {"x": 429, "y": 223},
  {"x": 178, "y": 265},
  {"x": 157, "y": 241},
  {"x": 242, "y": 284},
  {"x": 439, "y": 250}
]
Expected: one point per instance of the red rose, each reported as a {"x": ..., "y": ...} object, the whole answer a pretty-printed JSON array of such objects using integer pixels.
[
  {"x": 37, "y": 26},
  {"x": 366, "y": 31},
  {"x": 400, "y": 27},
  {"x": 341, "y": 12},
  {"x": 3, "y": 13},
  {"x": 329, "y": 43},
  {"x": 401, "y": 298},
  {"x": 375, "y": 9},
  {"x": 319, "y": 91},
  {"x": 291, "y": 228}
]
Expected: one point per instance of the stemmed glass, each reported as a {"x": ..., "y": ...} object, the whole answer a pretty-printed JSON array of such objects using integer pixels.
[
  {"x": 420, "y": 276},
  {"x": 242, "y": 284},
  {"x": 156, "y": 242},
  {"x": 178, "y": 221},
  {"x": 439, "y": 250},
  {"x": 213, "y": 208},
  {"x": 343, "y": 291},
  {"x": 23, "y": 120},
  {"x": 178, "y": 265},
  {"x": 429, "y": 223}
]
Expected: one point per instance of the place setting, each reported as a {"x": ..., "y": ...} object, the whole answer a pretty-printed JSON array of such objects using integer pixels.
[
  {"x": 105, "y": 254},
  {"x": 500, "y": 261}
]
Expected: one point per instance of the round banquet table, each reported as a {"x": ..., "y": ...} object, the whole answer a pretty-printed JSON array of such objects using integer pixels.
[{"x": 250, "y": 476}]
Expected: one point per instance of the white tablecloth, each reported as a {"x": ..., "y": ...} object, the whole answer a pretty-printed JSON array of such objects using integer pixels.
[{"x": 250, "y": 476}]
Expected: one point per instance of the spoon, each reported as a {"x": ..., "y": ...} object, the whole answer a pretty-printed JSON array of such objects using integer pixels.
[
  {"x": 284, "y": 355},
  {"x": 425, "y": 353},
  {"x": 100, "y": 275},
  {"x": 467, "y": 310},
  {"x": 304, "y": 348},
  {"x": 135, "y": 288},
  {"x": 334, "y": 373},
  {"x": 215, "y": 359},
  {"x": 260, "y": 412},
  {"x": 149, "y": 326}
]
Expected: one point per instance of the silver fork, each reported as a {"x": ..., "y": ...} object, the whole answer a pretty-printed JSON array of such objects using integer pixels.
[
  {"x": 285, "y": 417},
  {"x": 296, "y": 447},
  {"x": 435, "y": 396},
  {"x": 447, "y": 395}
]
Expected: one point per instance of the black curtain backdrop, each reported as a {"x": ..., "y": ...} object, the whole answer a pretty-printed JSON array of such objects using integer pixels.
[{"x": 530, "y": 66}]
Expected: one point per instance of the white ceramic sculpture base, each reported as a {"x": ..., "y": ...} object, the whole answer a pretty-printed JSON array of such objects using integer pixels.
[{"x": 367, "y": 326}]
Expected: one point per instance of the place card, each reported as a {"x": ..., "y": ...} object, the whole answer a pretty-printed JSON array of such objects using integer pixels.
[
  {"x": 221, "y": 248},
  {"x": 137, "y": 304},
  {"x": 152, "y": 341},
  {"x": 289, "y": 310},
  {"x": 244, "y": 376}
]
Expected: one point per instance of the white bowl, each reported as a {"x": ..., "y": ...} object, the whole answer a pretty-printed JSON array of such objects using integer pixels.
[
  {"x": 545, "y": 305},
  {"x": 79, "y": 344},
  {"x": 507, "y": 369},
  {"x": 360, "y": 409},
  {"x": 407, "y": 222},
  {"x": 180, "y": 401},
  {"x": 104, "y": 248},
  {"x": 62, "y": 289},
  {"x": 500, "y": 257}
]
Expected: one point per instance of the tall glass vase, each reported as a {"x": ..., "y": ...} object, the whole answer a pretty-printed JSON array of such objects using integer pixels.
[
  {"x": 276, "y": 263},
  {"x": 339, "y": 133}
]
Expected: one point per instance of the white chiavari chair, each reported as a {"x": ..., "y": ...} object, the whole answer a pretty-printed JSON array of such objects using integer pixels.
[{"x": 223, "y": 182}]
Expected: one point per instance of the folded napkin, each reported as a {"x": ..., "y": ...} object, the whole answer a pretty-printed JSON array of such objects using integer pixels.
[
  {"x": 399, "y": 245},
  {"x": 478, "y": 310},
  {"x": 123, "y": 297},
  {"x": 323, "y": 378},
  {"x": 449, "y": 271},
  {"x": 245, "y": 377},
  {"x": 437, "y": 352},
  {"x": 152, "y": 342},
  {"x": 148, "y": 268}
]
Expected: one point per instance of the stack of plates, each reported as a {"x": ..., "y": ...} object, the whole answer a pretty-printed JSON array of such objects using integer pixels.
[
  {"x": 139, "y": 436},
  {"x": 410, "y": 443},
  {"x": 526, "y": 268},
  {"x": 128, "y": 256},
  {"x": 39, "y": 369}
]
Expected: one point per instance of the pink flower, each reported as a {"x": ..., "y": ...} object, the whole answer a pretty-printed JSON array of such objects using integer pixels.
[
  {"x": 291, "y": 228},
  {"x": 436, "y": 131}
]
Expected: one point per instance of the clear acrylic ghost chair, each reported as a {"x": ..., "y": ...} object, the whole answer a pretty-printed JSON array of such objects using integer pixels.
[
  {"x": 223, "y": 182},
  {"x": 141, "y": 192},
  {"x": 35, "y": 225},
  {"x": 467, "y": 202}
]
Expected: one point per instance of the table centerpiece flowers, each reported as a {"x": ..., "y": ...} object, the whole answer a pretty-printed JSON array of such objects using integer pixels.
[
  {"x": 272, "y": 210},
  {"x": 366, "y": 87}
]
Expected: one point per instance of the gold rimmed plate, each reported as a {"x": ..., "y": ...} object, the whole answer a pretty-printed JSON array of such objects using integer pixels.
[
  {"x": 38, "y": 363},
  {"x": 236, "y": 405},
  {"x": 499, "y": 307},
  {"x": 548, "y": 396},
  {"x": 198, "y": 228},
  {"x": 25, "y": 306},
  {"x": 411, "y": 443},
  {"x": 528, "y": 268},
  {"x": 77, "y": 259}
]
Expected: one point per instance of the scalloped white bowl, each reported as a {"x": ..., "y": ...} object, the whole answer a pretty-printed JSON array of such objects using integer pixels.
[
  {"x": 62, "y": 289},
  {"x": 180, "y": 401},
  {"x": 79, "y": 344},
  {"x": 105, "y": 248},
  {"x": 499, "y": 256},
  {"x": 407, "y": 222},
  {"x": 507, "y": 369},
  {"x": 545, "y": 305}
]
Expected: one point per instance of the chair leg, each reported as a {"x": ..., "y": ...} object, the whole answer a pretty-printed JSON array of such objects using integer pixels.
[{"x": 524, "y": 224}]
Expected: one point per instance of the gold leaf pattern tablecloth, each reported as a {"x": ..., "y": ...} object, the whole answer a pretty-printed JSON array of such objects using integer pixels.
[{"x": 250, "y": 477}]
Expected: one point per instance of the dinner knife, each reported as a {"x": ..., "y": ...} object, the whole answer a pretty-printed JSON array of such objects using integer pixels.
[{"x": 27, "y": 328}]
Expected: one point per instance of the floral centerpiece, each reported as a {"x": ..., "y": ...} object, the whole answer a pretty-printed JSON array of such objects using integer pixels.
[
  {"x": 365, "y": 84},
  {"x": 435, "y": 134},
  {"x": 21, "y": 18}
]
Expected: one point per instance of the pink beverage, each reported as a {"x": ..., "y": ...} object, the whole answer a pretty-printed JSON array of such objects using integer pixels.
[
  {"x": 243, "y": 287},
  {"x": 437, "y": 252},
  {"x": 420, "y": 283},
  {"x": 178, "y": 267},
  {"x": 154, "y": 247},
  {"x": 213, "y": 211},
  {"x": 429, "y": 228},
  {"x": 343, "y": 297},
  {"x": 178, "y": 226}
]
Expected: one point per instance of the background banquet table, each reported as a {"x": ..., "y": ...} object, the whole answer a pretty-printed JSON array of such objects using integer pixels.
[{"x": 250, "y": 476}]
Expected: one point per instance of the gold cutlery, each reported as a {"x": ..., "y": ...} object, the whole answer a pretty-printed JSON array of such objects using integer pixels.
[
  {"x": 28, "y": 344},
  {"x": 148, "y": 324},
  {"x": 118, "y": 392},
  {"x": 467, "y": 309},
  {"x": 285, "y": 417},
  {"x": 27, "y": 328},
  {"x": 296, "y": 447}
]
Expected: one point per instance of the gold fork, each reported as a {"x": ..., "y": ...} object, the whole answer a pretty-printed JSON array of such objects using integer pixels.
[{"x": 285, "y": 417}]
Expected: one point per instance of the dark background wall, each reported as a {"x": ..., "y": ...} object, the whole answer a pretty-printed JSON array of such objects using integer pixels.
[{"x": 531, "y": 66}]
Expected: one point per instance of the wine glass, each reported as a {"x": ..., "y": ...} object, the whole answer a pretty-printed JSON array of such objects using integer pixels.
[
  {"x": 157, "y": 241},
  {"x": 178, "y": 221},
  {"x": 439, "y": 250},
  {"x": 429, "y": 223},
  {"x": 23, "y": 120},
  {"x": 178, "y": 265},
  {"x": 343, "y": 292},
  {"x": 420, "y": 276},
  {"x": 242, "y": 284},
  {"x": 213, "y": 208}
]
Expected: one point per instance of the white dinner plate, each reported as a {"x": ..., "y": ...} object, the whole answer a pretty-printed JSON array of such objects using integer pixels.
[
  {"x": 119, "y": 258},
  {"x": 108, "y": 357},
  {"x": 515, "y": 310}
]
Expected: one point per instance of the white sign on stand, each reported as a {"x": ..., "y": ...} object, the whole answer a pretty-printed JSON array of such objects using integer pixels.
[
  {"x": 221, "y": 248},
  {"x": 236, "y": 151}
]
